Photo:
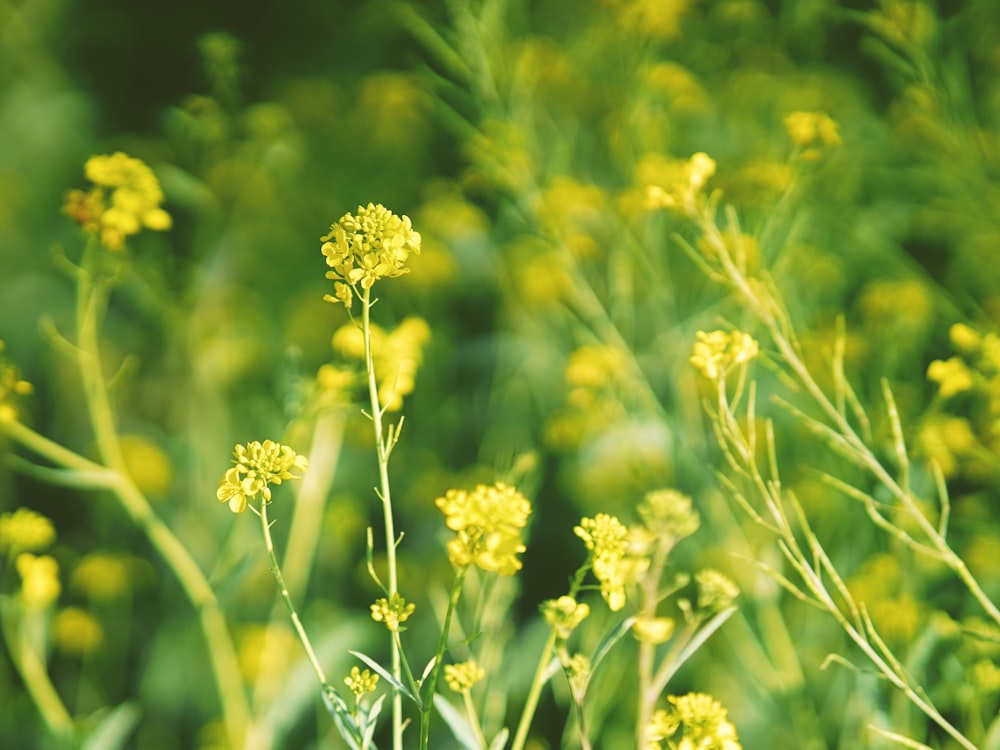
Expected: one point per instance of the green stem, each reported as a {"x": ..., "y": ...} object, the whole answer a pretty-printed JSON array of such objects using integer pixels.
[
  {"x": 428, "y": 703},
  {"x": 272, "y": 559},
  {"x": 534, "y": 693},
  {"x": 386, "y": 497}
]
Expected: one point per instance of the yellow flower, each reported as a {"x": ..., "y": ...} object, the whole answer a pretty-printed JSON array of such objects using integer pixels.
[
  {"x": 365, "y": 247},
  {"x": 812, "y": 132},
  {"x": 607, "y": 539},
  {"x": 461, "y": 677},
  {"x": 76, "y": 631},
  {"x": 681, "y": 182},
  {"x": 715, "y": 590},
  {"x": 105, "y": 577},
  {"x": 125, "y": 198},
  {"x": 393, "y": 611},
  {"x": 11, "y": 388},
  {"x": 653, "y": 629},
  {"x": 40, "y": 585},
  {"x": 487, "y": 523},
  {"x": 258, "y": 465},
  {"x": 24, "y": 530},
  {"x": 952, "y": 376},
  {"x": 702, "y": 721},
  {"x": 668, "y": 513},
  {"x": 359, "y": 682},
  {"x": 564, "y": 614},
  {"x": 716, "y": 353}
]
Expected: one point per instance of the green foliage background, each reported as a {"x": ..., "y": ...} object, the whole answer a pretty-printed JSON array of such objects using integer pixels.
[{"x": 515, "y": 135}]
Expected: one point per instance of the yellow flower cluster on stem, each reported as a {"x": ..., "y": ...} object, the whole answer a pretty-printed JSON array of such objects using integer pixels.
[
  {"x": 258, "y": 465},
  {"x": 607, "y": 539},
  {"x": 695, "y": 721},
  {"x": 487, "y": 523},
  {"x": 124, "y": 199}
]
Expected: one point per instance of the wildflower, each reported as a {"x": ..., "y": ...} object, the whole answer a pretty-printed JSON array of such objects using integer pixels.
[
  {"x": 359, "y": 682},
  {"x": 702, "y": 721},
  {"x": 365, "y": 247},
  {"x": 715, "y": 591},
  {"x": 126, "y": 197},
  {"x": 258, "y": 465},
  {"x": 564, "y": 614},
  {"x": 40, "y": 585},
  {"x": 461, "y": 677},
  {"x": 11, "y": 387},
  {"x": 812, "y": 132},
  {"x": 147, "y": 464},
  {"x": 105, "y": 577},
  {"x": 76, "y": 631},
  {"x": 668, "y": 513},
  {"x": 607, "y": 539},
  {"x": 686, "y": 181},
  {"x": 265, "y": 653},
  {"x": 487, "y": 523},
  {"x": 24, "y": 530},
  {"x": 716, "y": 353},
  {"x": 653, "y": 629},
  {"x": 952, "y": 376},
  {"x": 964, "y": 338},
  {"x": 577, "y": 668},
  {"x": 662, "y": 724},
  {"x": 393, "y": 611}
]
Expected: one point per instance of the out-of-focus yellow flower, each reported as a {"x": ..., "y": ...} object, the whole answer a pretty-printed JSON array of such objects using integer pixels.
[
  {"x": 715, "y": 590},
  {"x": 668, "y": 513},
  {"x": 572, "y": 213},
  {"x": 359, "y": 682},
  {"x": 265, "y": 653},
  {"x": 952, "y": 376},
  {"x": 659, "y": 19},
  {"x": 24, "y": 530},
  {"x": 684, "y": 181},
  {"x": 105, "y": 576},
  {"x": 258, "y": 465},
  {"x": 700, "y": 720},
  {"x": 40, "y": 585},
  {"x": 147, "y": 464},
  {"x": 461, "y": 677},
  {"x": 577, "y": 668},
  {"x": 393, "y": 611},
  {"x": 12, "y": 387},
  {"x": 812, "y": 133},
  {"x": 76, "y": 631},
  {"x": 607, "y": 539},
  {"x": 366, "y": 246},
  {"x": 653, "y": 629},
  {"x": 564, "y": 614},
  {"x": 126, "y": 197},
  {"x": 716, "y": 353},
  {"x": 487, "y": 523}
]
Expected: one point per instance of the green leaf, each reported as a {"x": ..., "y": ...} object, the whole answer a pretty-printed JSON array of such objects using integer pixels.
[
  {"x": 457, "y": 723},
  {"x": 114, "y": 729},
  {"x": 387, "y": 676}
]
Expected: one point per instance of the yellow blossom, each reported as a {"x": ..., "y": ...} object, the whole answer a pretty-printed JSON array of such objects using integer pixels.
[
  {"x": 716, "y": 353},
  {"x": 367, "y": 246},
  {"x": 40, "y": 585},
  {"x": 668, "y": 513},
  {"x": 564, "y": 614},
  {"x": 359, "y": 682},
  {"x": 126, "y": 197},
  {"x": 952, "y": 376},
  {"x": 811, "y": 132},
  {"x": 682, "y": 187},
  {"x": 715, "y": 590},
  {"x": 11, "y": 388},
  {"x": 258, "y": 465},
  {"x": 393, "y": 611},
  {"x": 24, "y": 530},
  {"x": 607, "y": 539},
  {"x": 461, "y": 677},
  {"x": 701, "y": 721},
  {"x": 653, "y": 629},
  {"x": 76, "y": 631},
  {"x": 487, "y": 523}
]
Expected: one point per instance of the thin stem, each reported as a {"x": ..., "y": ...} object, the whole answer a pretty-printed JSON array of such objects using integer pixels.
[
  {"x": 386, "y": 496},
  {"x": 470, "y": 711},
  {"x": 534, "y": 693},
  {"x": 428, "y": 704}
]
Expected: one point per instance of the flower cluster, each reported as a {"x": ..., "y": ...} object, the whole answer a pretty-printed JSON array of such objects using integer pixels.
[
  {"x": 607, "y": 539},
  {"x": 24, "y": 530},
  {"x": 359, "y": 682},
  {"x": 258, "y": 465},
  {"x": 40, "y": 585},
  {"x": 367, "y": 246},
  {"x": 11, "y": 387},
  {"x": 668, "y": 513},
  {"x": 126, "y": 197},
  {"x": 695, "y": 721},
  {"x": 812, "y": 133},
  {"x": 487, "y": 523},
  {"x": 683, "y": 185},
  {"x": 461, "y": 677},
  {"x": 715, "y": 590},
  {"x": 716, "y": 353},
  {"x": 393, "y": 611},
  {"x": 564, "y": 614}
]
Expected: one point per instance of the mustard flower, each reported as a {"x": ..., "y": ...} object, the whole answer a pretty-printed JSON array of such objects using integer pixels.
[
  {"x": 40, "y": 585},
  {"x": 126, "y": 197},
  {"x": 715, "y": 590},
  {"x": 702, "y": 721},
  {"x": 691, "y": 177},
  {"x": 564, "y": 614},
  {"x": 487, "y": 523},
  {"x": 367, "y": 246},
  {"x": 11, "y": 388},
  {"x": 607, "y": 539},
  {"x": 953, "y": 376},
  {"x": 461, "y": 677},
  {"x": 577, "y": 669},
  {"x": 24, "y": 530},
  {"x": 716, "y": 353},
  {"x": 393, "y": 611},
  {"x": 668, "y": 513},
  {"x": 76, "y": 631},
  {"x": 258, "y": 465},
  {"x": 359, "y": 682},
  {"x": 653, "y": 629},
  {"x": 812, "y": 132}
]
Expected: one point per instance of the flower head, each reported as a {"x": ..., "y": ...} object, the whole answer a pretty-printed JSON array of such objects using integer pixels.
[
  {"x": 668, "y": 513},
  {"x": 716, "y": 353},
  {"x": 125, "y": 197},
  {"x": 564, "y": 614},
  {"x": 258, "y": 465},
  {"x": 487, "y": 523},
  {"x": 24, "y": 530},
  {"x": 40, "y": 585},
  {"x": 367, "y": 246},
  {"x": 812, "y": 132},
  {"x": 461, "y": 677},
  {"x": 607, "y": 539},
  {"x": 11, "y": 388},
  {"x": 701, "y": 720},
  {"x": 359, "y": 682},
  {"x": 681, "y": 184},
  {"x": 715, "y": 590},
  {"x": 393, "y": 611}
]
